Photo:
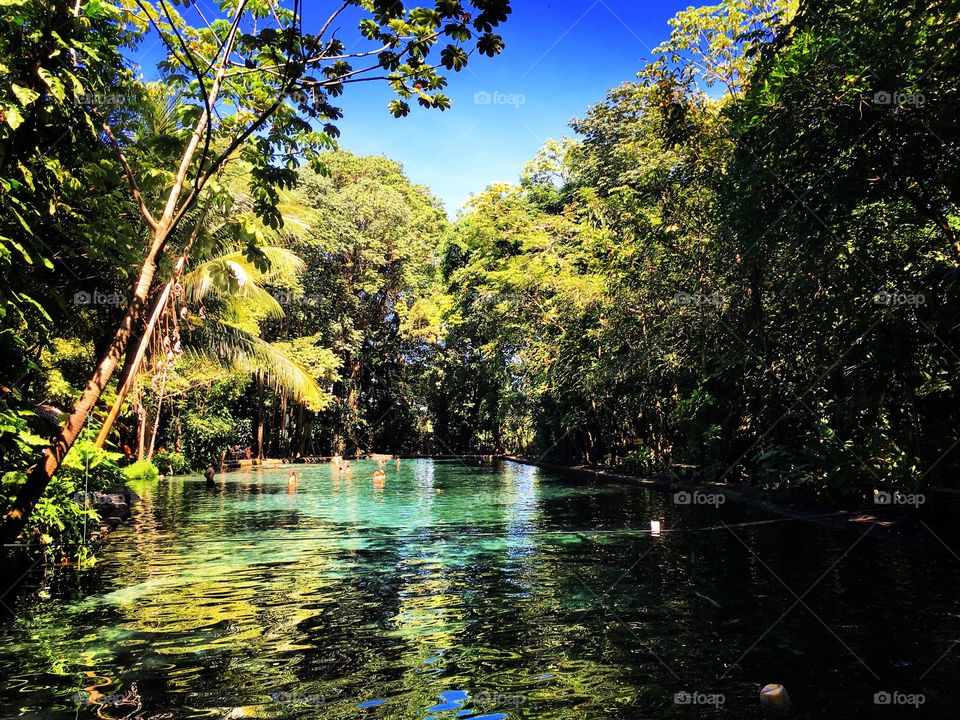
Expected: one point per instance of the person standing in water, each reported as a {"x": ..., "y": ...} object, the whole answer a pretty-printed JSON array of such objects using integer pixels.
[{"x": 292, "y": 478}]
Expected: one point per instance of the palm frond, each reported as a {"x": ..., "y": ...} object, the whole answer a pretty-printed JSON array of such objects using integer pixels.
[
  {"x": 233, "y": 276},
  {"x": 237, "y": 349}
]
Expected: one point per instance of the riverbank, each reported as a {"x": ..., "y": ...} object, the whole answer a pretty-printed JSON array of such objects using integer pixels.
[
  {"x": 114, "y": 507},
  {"x": 889, "y": 520}
]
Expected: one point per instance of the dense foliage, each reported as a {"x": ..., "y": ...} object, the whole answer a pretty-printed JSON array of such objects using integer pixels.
[{"x": 761, "y": 281}]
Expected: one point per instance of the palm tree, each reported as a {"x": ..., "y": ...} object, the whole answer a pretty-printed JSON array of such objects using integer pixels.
[{"x": 227, "y": 285}]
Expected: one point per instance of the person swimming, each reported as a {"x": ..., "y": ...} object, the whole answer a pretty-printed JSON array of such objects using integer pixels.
[
  {"x": 379, "y": 480},
  {"x": 292, "y": 477},
  {"x": 208, "y": 474}
]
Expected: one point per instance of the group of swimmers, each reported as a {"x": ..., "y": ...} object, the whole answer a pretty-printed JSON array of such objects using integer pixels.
[{"x": 343, "y": 467}]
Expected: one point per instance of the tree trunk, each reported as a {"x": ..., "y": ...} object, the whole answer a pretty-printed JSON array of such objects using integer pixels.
[
  {"x": 156, "y": 418},
  {"x": 38, "y": 477},
  {"x": 137, "y": 358},
  {"x": 300, "y": 434},
  {"x": 142, "y": 431},
  {"x": 284, "y": 446},
  {"x": 258, "y": 431}
]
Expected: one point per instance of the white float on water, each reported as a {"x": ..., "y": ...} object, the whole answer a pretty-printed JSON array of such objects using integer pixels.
[
  {"x": 775, "y": 697},
  {"x": 655, "y": 528}
]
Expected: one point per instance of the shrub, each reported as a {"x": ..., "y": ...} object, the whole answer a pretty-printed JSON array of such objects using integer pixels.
[
  {"x": 57, "y": 523},
  {"x": 141, "y": 470},
  {"x": 89, "y": 466},
  {"x": 170, "y": 462}
]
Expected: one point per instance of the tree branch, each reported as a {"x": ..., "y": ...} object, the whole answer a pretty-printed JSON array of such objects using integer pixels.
[
  {"x": 203, "y": 88},
  {"x": 128, "y": 172}
]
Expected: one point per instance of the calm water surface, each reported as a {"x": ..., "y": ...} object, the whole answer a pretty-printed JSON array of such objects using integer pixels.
[{"x": 477, "y": 592}]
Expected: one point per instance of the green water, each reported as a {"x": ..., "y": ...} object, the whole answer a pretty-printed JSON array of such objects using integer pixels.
[{"x": 475, "y": 591}]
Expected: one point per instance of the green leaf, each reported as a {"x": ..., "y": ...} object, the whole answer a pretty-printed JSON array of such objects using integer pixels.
[
  {"x": 53, "y": 84},
  {"x": 13, "y": 116},
  {"x": 26, "y": 96},
  {"x": 398, "y": 108}
]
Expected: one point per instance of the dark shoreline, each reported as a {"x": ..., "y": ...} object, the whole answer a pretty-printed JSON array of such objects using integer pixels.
[{"x": 890, "y": 523}]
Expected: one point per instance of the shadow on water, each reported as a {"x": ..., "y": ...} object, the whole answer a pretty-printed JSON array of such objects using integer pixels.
[{"x": 451, "y": 590}]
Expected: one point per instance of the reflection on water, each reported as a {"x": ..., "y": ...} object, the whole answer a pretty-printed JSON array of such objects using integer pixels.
[{"x": 449, "y": 591}]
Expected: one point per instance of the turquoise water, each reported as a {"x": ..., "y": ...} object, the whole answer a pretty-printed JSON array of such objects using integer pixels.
[{"x": 485, "y": 592}]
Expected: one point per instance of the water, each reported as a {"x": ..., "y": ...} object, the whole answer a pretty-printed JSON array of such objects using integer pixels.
[{"x": 480, "y": 592}]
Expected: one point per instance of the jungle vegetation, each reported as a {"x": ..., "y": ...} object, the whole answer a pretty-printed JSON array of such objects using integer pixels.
[{"x": 744, "y": 259}]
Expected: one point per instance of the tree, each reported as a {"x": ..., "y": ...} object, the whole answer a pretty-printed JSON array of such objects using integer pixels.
[{"x": 370, "y": 255}]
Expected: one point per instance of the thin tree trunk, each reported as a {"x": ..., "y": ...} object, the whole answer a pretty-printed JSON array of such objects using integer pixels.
[
  {"x": 156, "y": 419},
  {"x": 284, "y": 447},
  {"x": 142, "y": 431},
  {"x": 134, "y": 365},
  {"x": 299, "y": 435},
  {"x": 258, "y": 437}
]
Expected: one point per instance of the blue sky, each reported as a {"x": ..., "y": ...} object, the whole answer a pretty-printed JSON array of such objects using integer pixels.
[{"x": 561, "y": 58}]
